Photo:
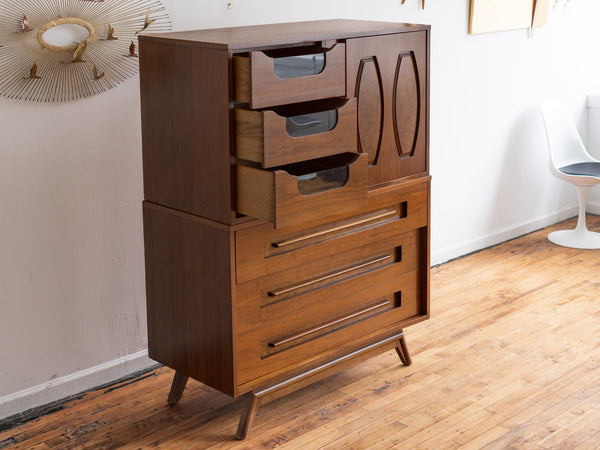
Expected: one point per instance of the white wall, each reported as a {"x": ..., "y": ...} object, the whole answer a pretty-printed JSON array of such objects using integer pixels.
[{"x": 71, "y": 253}]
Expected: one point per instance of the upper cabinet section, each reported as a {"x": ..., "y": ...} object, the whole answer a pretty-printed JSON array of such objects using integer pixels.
[
  {"x": 272, "y": 78},
  {"x": 282, "y": 122},
  {"x": 389, "y": 77}
]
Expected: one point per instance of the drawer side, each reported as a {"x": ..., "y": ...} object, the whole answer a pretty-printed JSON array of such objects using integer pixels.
[{"x": 186, "y": 129}]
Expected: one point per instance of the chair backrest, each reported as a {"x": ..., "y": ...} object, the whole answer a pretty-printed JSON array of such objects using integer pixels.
[{"x": 564, "y": 141}]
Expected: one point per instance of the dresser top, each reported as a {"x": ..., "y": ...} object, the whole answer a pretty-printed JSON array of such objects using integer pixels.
[{"x": 272, "y": 35}]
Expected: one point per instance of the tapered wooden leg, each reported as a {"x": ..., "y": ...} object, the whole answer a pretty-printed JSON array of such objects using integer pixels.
[
  {"x": 402, "y": 351},
  {"x": 247, "y": 417},
  {"x": 177, "y": 387}
]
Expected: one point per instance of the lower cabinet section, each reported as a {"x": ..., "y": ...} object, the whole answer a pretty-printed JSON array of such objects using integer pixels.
[{"x": 248, "y": 306}]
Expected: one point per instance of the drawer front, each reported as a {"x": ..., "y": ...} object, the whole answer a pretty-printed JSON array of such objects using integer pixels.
[
  {"x": 258, "y": 83},
  {"x": 286, "y": 199},
  {"x": 263, "y": 137},
  {"x": 294, "y": 292},
  {"x": 331, "y": 319},
  {"x": 261, "y": 250}
]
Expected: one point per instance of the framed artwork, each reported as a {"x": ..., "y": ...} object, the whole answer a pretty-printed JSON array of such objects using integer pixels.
[
  {"x": 500, "y": 15},
  {"x": 540, "y": 13},
  {"x": 61, "y": 50}
]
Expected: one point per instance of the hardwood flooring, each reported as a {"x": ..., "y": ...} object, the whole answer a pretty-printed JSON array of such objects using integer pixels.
[{"x": 509, "y": 359}]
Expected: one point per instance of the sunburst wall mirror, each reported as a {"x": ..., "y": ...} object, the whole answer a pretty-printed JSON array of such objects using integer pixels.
[{"x": 61, "y": 50}]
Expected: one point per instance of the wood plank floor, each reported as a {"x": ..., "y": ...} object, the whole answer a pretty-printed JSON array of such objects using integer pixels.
[{"x": 509, "y": 359}]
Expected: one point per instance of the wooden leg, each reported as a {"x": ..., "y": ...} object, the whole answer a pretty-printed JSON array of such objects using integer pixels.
[
  {"x": 247, "y": 417},
  {"x": 177, "y": 387},
  {"x": 402, "y": 351}
]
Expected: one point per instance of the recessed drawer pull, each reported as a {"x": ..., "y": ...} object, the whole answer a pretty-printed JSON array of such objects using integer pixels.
[
  {"x": 329, "y": 324},
  {"x": 365, "y": 220},
  {"x": 328, "y": 276}
]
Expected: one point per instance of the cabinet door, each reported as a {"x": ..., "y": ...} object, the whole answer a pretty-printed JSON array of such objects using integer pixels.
[{"x": 389, "y": 76}]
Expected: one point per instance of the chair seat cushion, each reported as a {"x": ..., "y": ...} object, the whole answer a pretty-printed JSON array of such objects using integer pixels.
[{"x": 591, "y": 169}]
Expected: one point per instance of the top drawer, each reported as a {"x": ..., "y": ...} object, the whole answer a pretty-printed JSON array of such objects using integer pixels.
[
  {"x": 315, "y": 245},
  {"x": 263, "y": 80}
]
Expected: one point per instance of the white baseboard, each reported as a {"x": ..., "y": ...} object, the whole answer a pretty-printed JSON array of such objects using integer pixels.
[
  {"x": 74, "y": 383},
  {"x": 593, "y": 207},
  {"x": 445, "y": 255}
]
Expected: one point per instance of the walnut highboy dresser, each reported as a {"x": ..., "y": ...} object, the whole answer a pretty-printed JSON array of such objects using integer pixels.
[{"x": 286, "y": 212}]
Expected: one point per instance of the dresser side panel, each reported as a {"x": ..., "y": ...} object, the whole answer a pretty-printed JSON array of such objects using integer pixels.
[
  {"x": 189, "y": 296},
  {"x": 185, "y": 94}
]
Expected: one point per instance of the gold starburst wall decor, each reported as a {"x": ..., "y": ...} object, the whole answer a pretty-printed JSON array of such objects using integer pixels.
[{"x": 61, "y": 50}]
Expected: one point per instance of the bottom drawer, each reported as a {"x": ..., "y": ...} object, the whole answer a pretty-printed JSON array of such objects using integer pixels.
[
  {"x": 300, "y": 192},
  {"x": 286, "y": 333}
]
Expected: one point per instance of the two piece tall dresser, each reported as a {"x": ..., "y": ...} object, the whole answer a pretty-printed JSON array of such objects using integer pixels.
[{"x": 287, "y": 193}]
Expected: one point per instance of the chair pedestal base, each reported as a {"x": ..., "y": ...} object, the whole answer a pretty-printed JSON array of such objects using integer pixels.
[{"x": 582, "y": 239}]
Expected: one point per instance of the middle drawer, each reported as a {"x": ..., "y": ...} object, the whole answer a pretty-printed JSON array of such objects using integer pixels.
[
  {"x": 296, "y": 291},
  {"x": 285, "y": 136}
]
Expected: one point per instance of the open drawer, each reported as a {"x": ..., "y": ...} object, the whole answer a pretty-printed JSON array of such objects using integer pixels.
[
  {"x": 304, "y": 191},
  {"x": 284, "y": 135},
  {"x": 283, "y": 76}
]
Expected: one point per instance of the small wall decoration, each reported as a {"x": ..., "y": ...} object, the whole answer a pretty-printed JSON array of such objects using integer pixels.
[
  {"x": 61, "y": 50},
  {"x": 500, "y": 15}
]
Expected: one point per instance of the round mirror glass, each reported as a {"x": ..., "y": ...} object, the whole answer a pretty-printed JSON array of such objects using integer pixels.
[{"x": 65, "y": 34}]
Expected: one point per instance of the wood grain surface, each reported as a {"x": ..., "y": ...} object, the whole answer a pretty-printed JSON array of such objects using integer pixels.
[
  {"x": 284, "y": 34},
  {"x": 186, "y": 142},
  {"x": 389, "y": 76}
]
